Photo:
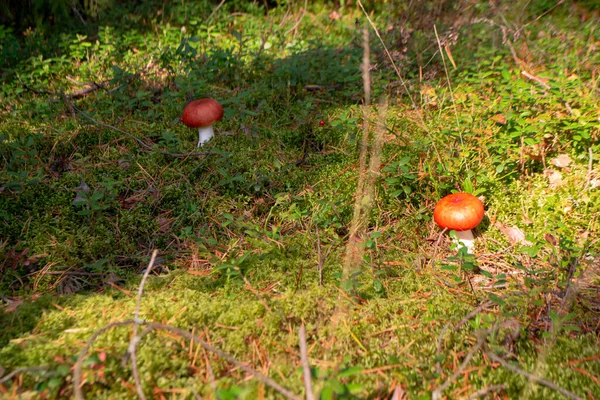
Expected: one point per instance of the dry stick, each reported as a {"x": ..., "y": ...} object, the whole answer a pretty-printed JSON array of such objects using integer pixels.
[
  {"x": 305, "y": 364},
  {"x": 532, "y": 377},
  {"x": 263, "y": 378},
  {"x": 536, "y": 79},
  {"x": 295, "y": 27},
  {"x": 449, "y": 83},
  {"x": 437, "y": 393},
  {"x": 472, "y": 314},
  {"x": 77, "y": 369},
  {"x": 18, "y": 371},
  {"x": 487, "y": 390},
  {"x": 256, "y": 293},
  {"x": 590, "y": 166},
  {"x": 212, "y": 14},
  {"x": 93, "y": 86},
  {"x": 131, "y": 350},
  {"x": 432, "y": 262},
  {"x": 211, "y": 375},
  {"x": 455, "y": 328},
  {"x": 354, "y": 249},
  {"x": 555, "y": 326},
  {"x": 437, "y": 243},
  {"x": 320, "y": 256}
]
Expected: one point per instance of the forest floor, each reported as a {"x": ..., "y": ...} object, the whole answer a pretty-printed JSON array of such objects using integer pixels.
[{"x": 301, "y": 237}]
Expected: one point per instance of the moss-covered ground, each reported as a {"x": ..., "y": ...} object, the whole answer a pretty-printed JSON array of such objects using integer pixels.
[{"x": 252, "y": 234}]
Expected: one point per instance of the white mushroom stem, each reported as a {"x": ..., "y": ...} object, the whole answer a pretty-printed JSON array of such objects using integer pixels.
[
  {"x": 205, "y": 134},
  {"x": 466, "y": 239}
]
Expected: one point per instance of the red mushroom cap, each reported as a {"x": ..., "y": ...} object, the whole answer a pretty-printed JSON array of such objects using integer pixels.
[
  {"x": 201, "y": 113},
  {"x": 458, "y": 211}
]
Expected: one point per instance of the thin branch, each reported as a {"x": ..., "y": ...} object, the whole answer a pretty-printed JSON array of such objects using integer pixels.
[
  {"x": 77, "y": 368},
  {"x": 321, "y": 261},
  {"x": 18, "y": 371},
  {"x": 305, "y": 364},
  {"x": 472, "y": 314},
  {"x": 532, "y": 377},
  {"x": 536, "y": 79},
  {"x": 590, "y": 166},
  {"x": 487, "y": 390},
  {"x": 295, "y": 27},
  {"x": 263, "y": 378},
  {"x": 92, "y": 87},
  {"x": 437, "y": 393},
  {"x": 212, "y": 14},
  {"x": 131, "y": 350},
  {"x": 455, "y": 328},
  {"x": 437, "y": 243}
]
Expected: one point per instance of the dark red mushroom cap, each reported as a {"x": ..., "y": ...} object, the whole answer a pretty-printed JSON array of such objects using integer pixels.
[
  {"x": 459, "y": 212},
  {"x": 201, "y": 113}
]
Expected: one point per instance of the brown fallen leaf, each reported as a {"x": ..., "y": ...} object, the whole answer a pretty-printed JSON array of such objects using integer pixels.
[
  {"x": 554, "y": 178},
  {"x": 499, "y": 119},
  {"x": 513, "y": 234},
  {"x": 561, "y": 161}
]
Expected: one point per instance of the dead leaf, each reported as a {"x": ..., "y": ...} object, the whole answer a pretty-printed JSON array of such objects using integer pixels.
[
  {"x": 82, "y": 188},
  {"x": 164, "y": 224},
  {"x": 429, "y": 95},
  {"x": 499, "y": 119},
  {"x": 554, "y": 178},
  {"x": 398, "y": 394},
  {"x": 561, "y": 161},
  {"x": 450, "y": 56},
  {"x": 551, "y": 239},
  {"x": 513, "y": 234},
  {"x": 13, "y": 305}
]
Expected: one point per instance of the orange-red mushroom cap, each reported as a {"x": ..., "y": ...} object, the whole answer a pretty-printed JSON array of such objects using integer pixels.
[
  {"x": 201, "y": 113},
  {"x": 459, "y": 212}
]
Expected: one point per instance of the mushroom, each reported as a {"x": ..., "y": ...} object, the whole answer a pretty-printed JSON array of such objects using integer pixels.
[
  {"x": 460, "y": 212},
  {"x": 202, "y": 114}
]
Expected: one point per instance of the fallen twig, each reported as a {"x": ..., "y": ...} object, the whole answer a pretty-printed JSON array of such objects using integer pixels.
[
  {"x": 131, "y": 350},
  {"x": 532, "y": 377},
  {"x": 305, "y": 364},
  {"x": 77, "y": 369},
  {"x": 92, "y": 87},
  {"x": 590, "y": 170},
  {"x": 489, "y": 389},
  {"x": 263, "y": 378},
  {"x": 18, "y": 371},
  {"x": 437, "y": 393},
  {"x": 536, "y": 79}
]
